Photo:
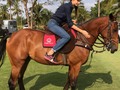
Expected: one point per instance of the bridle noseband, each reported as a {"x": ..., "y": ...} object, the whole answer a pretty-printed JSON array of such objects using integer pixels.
[{"x": 108, "y": 40}]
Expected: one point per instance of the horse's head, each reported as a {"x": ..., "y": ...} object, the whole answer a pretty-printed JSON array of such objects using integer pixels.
[{"x": 109, "y": 32}]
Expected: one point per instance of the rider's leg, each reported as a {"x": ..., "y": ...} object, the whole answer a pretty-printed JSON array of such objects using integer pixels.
[{"x": 64, "y": 36}]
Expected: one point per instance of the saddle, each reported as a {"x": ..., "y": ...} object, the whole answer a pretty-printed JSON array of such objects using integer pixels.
[
  {"x": 77, "y": 39},
  {"x": 69, "y": 46}
]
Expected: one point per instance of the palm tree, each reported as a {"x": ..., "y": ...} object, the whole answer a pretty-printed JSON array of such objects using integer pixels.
[
  {"x": 4, "y": 12},
  {"x": 1, "y": 22},
  {"x": 17, "y": 11},
  {"x": 83, "y": 15},
  {"x": 45, "y": 16},
  {"x": 117, "y": 11},
  {"x": 106, "y": 8},
  {"x": 98, "y": 8},
  {"x": 16, "y": 8},
  {"x": 26, "y": 11},
  {"x": 36, "y": 13},
  {"x": 10, "y": 3},
  {"x": 33, "y": 4},
  {"x": 41, "y": 15}
]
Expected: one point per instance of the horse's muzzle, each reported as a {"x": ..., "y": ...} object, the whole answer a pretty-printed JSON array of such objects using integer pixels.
[{"x": 111, "y": 47}]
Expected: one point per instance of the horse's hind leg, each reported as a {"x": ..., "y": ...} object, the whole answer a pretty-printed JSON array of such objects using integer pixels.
[
  {"x": 13, "y": 77},
  {"x": 16, "y": 67},
  {"x": 10, "y": 83},
  {"x": 21, "y": 75}
]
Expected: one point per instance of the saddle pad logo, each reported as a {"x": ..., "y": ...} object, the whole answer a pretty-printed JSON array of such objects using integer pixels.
[{"x": 49, "y": 40}]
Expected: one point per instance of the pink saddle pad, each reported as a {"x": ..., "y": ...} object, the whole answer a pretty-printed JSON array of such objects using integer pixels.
[{"x": 49, "y": 40}]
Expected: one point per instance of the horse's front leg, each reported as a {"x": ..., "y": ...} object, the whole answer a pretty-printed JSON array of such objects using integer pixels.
[
  {"x": 72, "y": 76},
  {"x": 66, "y": 87}
]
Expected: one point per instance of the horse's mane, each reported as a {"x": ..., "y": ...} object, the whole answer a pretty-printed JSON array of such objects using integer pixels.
[{"x": 90, "y": 20}]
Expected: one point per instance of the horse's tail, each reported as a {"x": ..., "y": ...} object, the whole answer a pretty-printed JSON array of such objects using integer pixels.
[{"x": 3, "y": 48}]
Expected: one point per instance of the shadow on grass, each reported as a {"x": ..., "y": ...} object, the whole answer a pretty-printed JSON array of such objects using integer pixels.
[{"x": 58, "y": 79}]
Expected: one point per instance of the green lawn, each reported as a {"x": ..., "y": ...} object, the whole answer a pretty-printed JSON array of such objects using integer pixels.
[{"x": 103, "y": 74}]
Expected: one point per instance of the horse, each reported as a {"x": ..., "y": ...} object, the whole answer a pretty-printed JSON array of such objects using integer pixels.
[
  {"x": 26, "y": 44},
  {"x": 3, "y": 32}
]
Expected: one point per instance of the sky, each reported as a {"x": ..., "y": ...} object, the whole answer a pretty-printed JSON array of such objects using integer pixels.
[{"x": 87, "y": 3}]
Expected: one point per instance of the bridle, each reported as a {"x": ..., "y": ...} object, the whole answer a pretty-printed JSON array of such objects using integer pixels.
[{"x": 107, "y": 40}]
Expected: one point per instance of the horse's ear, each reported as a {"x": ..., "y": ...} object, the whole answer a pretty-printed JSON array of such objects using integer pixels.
[{"x": 111, "y": 17}]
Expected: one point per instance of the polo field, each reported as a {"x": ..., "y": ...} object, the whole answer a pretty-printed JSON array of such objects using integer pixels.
[
  {"x": 102, "y": 74},
  {"x": 59, "y": 45}
]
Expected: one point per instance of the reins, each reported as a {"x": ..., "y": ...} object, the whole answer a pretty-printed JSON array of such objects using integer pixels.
[{"x": 97, "y": 44}]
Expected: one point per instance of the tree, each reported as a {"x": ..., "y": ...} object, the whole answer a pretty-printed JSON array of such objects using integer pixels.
[
  {"x": 106, "y": 8},
  {"x": 36, "y": 13},
  {"x": 41, "y": 15},
  {"x": 45, "y": 16},
  {"x": 116, "y": 7},
  {"x": 98, "y": 8},
  {"x": 16, "y": 9},
  {"x": 83, "y": 15},
  {"x": 31, "y": 9},
  {"x": 94, "y": 11},
  {"x": 1, "y": 23},
  {"x": 4, "y": 12},
  {"x": 26, "y": 11},
  {"x": 10, "y": 3}
]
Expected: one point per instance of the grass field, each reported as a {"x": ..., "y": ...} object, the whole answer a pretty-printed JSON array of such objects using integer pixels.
[{"x": 103, "y": 74}]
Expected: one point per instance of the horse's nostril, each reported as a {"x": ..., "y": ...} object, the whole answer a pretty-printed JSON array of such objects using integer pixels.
[{"x": 113, "y": 49}]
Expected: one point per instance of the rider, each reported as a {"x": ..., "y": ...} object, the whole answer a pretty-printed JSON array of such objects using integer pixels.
[{"x": 63, "y": 14}]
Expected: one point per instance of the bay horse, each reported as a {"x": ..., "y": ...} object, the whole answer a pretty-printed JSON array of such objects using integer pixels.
[{"x": 26, "y": 44}]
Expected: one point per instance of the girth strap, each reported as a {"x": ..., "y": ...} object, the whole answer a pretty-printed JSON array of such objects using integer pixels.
[{"x": 64, "y": 59}]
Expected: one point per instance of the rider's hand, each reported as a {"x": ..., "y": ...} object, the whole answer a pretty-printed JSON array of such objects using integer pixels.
[
  {"x": 74, "y": 21},
  {"x": 85, "y": 33}
]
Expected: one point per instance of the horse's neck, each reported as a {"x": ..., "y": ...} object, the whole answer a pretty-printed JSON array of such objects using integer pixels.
[
  {"x": 93, "y": 26},
  {"x": 92, "y": 30}
]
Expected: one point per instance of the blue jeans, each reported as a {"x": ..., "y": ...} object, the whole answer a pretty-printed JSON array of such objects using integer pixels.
[{"x": 64, "y": 36}]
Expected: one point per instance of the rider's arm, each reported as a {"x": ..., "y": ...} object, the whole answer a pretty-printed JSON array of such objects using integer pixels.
[{"x": 86, "y": 34}]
